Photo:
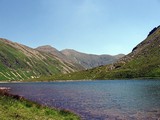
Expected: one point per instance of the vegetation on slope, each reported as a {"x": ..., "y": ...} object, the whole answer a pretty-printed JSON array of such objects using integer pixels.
[
  {"x": 87, "y": 61},
  {"x": 18, "y": 62},
  {"x": 142, "y": 62},
  {"x": 16, "y": 108}
]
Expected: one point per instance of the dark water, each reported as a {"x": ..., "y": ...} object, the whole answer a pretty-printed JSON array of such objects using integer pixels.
[{"x": 97, "y": 100}]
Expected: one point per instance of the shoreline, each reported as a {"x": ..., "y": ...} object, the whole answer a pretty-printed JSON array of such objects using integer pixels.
[
  {"x": 45, "y": 81},
  {"x": 29, "y": 81},
  {"x": 4, "y": 91},
  {"x": 5, "y": 88}
]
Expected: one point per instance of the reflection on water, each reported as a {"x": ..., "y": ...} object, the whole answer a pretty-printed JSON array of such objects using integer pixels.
[{"x": 98, "y": 100}]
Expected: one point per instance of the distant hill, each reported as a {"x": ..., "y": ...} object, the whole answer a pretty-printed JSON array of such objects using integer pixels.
[
  {"x": 89, "y": 61},
  {"x": 142, "y": 62}
]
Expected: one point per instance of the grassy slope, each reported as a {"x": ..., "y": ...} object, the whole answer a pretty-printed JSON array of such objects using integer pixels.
[
  {"x": 16, "y": 65},
  {"x": 142, "y": 62},
  {"x": 13, "y": 109}
]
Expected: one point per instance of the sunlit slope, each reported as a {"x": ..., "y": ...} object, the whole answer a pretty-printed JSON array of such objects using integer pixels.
[
  {"x": 19, "y": 62},
  {"x": 143, "y": 61}
]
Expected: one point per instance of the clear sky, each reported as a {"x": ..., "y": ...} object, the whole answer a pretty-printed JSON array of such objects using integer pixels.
[{"x": 91, "y": 26}]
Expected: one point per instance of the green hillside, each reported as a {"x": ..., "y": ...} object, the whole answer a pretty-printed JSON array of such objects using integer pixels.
[
  {"x": 19, "y": 62},
  {"x": 13, "y": 107},
  {"x": 142, "y": 62}
]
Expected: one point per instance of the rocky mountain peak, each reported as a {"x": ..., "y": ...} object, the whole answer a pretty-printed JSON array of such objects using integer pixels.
[{"x": 47, "y": 48}]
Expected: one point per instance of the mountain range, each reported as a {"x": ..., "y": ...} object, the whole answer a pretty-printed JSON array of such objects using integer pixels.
[
  {"x": 20, "y": 62},
  {"x": 87, "y": 61},
  {"x": 142, "y": 62}
]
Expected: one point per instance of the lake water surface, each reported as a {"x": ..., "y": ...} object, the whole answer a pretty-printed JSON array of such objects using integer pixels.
[{"x": 97, "y": 100}]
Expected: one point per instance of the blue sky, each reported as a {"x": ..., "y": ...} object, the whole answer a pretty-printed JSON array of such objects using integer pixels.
[{"x": 90, "y": 26}]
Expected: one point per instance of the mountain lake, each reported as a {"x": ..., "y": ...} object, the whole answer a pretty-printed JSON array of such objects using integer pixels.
[{"x": 97, "y": 100}]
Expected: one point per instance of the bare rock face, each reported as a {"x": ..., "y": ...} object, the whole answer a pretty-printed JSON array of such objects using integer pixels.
[{"x": 153, "y": 30}]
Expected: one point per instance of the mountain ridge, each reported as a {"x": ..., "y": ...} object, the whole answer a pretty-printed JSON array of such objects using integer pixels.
[
  {"x": 142, "y": 62},
  {"x": 85, "y": 60},
  {"x": 20, "y": 62},
  {"x": 89, "y": 60}
]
